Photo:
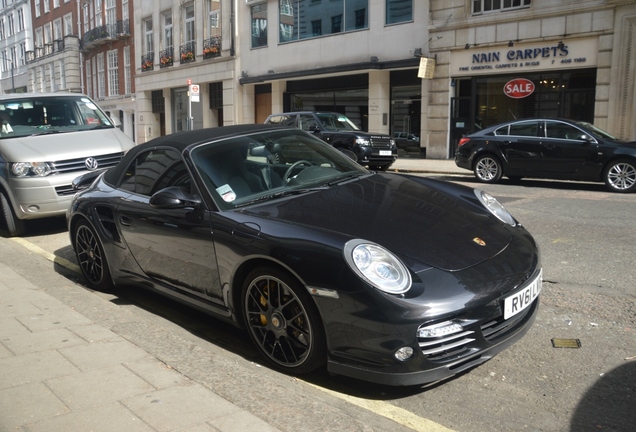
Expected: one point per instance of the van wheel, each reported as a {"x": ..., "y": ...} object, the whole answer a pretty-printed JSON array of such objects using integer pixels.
[{"x": 15, "y": 226}]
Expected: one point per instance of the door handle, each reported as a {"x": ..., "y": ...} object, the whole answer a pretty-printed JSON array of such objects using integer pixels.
[{"x": 125, "y": 221}]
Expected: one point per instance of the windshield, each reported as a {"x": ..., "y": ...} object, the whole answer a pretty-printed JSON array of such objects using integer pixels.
[
  {"x": 33, "y": 115},
  {"x": 269, "y": 165},
  {"x": 334, "y": 121},
  {"x": 595, "y": 130}
]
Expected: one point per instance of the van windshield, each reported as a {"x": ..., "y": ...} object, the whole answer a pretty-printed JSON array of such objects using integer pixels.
[{"x": 38, "y": 115}]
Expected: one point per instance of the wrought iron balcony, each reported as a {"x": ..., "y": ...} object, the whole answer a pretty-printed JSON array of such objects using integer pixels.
[
  {"x": 148, "y": 62},
  {"x": 57, "y": 46},
  {"x": 105, "y": 33},
  {"x": 186, "y": 52},
  {"x": 212, "y": 47},
  {"x": 166, "y": 57}
]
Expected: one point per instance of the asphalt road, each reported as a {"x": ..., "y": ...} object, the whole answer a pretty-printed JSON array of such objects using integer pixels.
[{"x": 587, "y": 239}]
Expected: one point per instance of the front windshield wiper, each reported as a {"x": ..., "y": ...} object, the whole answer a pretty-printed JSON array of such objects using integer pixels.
[
  {"x": 100, "y": 127},
  {"x": 282, "y": 194},
  {"x": 45, "y": 132},
  {"x": 347, "y": 177}
]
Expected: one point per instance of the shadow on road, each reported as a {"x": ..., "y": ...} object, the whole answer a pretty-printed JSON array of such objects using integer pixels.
[{"x": 610, "y": 404}]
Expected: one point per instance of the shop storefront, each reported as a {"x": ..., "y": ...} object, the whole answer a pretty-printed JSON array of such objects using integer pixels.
[{"x": 497, "y": 84}]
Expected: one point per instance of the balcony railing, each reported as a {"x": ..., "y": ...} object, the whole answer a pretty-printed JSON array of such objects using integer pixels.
[
  {"x": 147, "y": 62},
  {"x": 57, "y": 46},
  {"x": 106, "y": 33},
  {"x": 186, "y": 52},
  {"x": 212, "y": 47},
  {"x": 166, "y": 57}
]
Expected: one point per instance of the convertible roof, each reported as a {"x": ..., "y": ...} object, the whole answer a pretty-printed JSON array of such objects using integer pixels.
[{"x": 181, "y": 140}]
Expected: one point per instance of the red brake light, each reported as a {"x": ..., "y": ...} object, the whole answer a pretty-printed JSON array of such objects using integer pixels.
[{"x": 463, "y": 141}]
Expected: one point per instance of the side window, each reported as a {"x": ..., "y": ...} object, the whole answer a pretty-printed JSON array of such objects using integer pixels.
[
  {"x": 562, "y": 131},
  {"x": 528, "y": 129},
  {"x": 306, "y": 122},
  {"x": 502, "y": 130},
  {"x": 154, "y": 170}
]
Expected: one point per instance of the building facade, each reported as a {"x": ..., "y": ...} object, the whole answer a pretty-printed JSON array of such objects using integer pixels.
[
  {"x": 107, "y": 56},
  {"x": 182, "y": 43},
  {"x": 53, "y": 62},
  {"x": 15, "y": 40},
  {"x": 357, "y": 57},
  {"x": 577, "y": 59}
]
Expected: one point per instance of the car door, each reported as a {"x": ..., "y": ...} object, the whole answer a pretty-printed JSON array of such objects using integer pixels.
[
  {"x": 567, "y": 150},
  {"x": 172, "y": 246},
  {"x": 521, "y": 146}
]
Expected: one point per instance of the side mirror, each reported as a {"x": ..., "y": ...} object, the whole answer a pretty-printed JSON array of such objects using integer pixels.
[
  {"x": 314, "y": 128},
  {"x": 173, "y": 197}
]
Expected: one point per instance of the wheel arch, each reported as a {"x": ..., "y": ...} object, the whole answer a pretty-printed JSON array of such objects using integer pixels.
[{"x": 615, "y": 158}]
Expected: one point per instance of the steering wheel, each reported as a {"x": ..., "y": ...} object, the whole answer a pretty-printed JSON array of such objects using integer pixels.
[{"x": 293, "y": 166}]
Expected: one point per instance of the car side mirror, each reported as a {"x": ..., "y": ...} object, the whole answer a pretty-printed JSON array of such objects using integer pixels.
[
  {"x": 174, "y": 197},
  {"x": 586, "y": 138},
  {"x": 314, "y": 128}
]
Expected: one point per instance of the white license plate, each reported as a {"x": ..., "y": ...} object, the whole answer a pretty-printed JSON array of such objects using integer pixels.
[
  {"x": 523, "y": 299},
  {"x": 385, "y": 152}
]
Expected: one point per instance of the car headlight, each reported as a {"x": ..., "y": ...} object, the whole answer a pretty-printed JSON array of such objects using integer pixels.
[
  {"x": 494, "y": 207},
  {"x": 362, "y": 141},
  {"x": 377, "y": 266},
  {"x": 33, "y": 169}
]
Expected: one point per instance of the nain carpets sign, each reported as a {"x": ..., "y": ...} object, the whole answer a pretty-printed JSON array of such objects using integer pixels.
[{"x": 525, "y": 58}]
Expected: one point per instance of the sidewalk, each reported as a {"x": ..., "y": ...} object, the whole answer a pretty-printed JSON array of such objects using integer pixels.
[
  {"x": 433, "y": 166},
  {"x": 60, "y": 371}
]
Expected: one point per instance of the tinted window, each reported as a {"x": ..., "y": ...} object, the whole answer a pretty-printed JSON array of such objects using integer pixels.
[
  {"x": 562, "y": 131},
  {"x": 284, "y": 120},
  {"x": 154, "y": 170},
  {"x": 529, "y": 129},
  {"x": 306, "y": 122}
]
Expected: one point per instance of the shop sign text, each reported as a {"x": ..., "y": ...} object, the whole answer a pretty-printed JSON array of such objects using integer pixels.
[{"x": 519, "y": 88}]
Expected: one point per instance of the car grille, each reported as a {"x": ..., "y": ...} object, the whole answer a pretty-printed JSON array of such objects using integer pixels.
[
  {"x": 76, "y": 165},
  {"x": 472, "y": 339},
  {"x": 380, "y": 142}
]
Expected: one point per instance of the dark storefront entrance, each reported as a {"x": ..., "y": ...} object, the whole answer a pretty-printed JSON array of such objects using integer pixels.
[{"x": 480, "y": 102}]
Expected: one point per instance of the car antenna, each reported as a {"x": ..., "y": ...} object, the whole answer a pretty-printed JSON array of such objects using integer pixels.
[{"x": 512, "y": 114}]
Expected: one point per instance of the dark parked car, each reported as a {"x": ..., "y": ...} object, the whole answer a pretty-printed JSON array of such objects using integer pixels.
[
  {"x": 376, "y": 151},
  {"x": 384, "y": 277},
  {"x": 549, "y": 148}
]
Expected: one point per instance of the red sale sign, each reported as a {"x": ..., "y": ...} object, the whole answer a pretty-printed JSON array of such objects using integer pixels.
[{"x": 519, "y": 88}]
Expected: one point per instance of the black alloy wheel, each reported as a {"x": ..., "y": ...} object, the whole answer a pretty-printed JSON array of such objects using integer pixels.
[
  {"x": 282, "y": 321},
  {"x": 15, "y": 226},
  {"x": 488, "y": 169},
  {"x": 91, "y": 258},
  {"x": 620, "y": 176}
]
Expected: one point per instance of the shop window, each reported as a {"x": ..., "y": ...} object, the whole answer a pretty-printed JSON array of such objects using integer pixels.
[
  {"x": 398, "y": 11},
  {"x": 216, "y": 95},
  {"x": 158, "y": 101},
  {"x": 481, "y": 6}
]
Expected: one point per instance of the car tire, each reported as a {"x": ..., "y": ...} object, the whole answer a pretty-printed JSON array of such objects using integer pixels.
[
  {"x": 488, "y": 169},
  {"x": 91, "y": 257},
  {"x": 15, "y": 226},
  {"x": 620, "y": 176},
  {"x": 283, "y": 321}
]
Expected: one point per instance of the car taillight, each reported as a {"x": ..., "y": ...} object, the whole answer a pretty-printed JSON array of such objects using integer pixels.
[{"x": 463, "y": 141}]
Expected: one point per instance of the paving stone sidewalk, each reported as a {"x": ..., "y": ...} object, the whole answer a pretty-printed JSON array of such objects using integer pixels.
[{"x": 59, "y": 371}]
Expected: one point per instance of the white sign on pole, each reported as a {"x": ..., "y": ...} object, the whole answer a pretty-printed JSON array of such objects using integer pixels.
[{"x": 194, "y": 92}]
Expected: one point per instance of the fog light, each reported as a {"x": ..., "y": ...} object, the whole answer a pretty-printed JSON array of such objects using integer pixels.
[
  {"x": 436, "y": 330},
  {"x": 33, "y": 208},
  {"x": 404, "y": 353}
]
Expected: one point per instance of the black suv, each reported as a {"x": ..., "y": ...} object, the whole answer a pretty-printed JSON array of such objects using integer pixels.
[{"x": 376, "y": 151}]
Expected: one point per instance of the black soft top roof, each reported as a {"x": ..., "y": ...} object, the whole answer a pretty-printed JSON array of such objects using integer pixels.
[{"x": 181, "y": 140}]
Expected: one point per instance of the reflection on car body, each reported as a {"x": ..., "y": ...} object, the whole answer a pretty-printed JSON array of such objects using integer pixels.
[{"x": 389, "y": 278}]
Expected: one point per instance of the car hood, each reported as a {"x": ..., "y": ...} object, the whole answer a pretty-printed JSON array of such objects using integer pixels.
[
  {"x": 414, "y": 218},
  {"x": 61, "y": 146}
]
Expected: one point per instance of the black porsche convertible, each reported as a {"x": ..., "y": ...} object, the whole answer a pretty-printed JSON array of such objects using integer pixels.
[{"x": 389, "y": 278}]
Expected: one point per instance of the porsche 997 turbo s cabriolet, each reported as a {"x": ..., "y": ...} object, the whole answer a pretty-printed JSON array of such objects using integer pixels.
[{"x": 384, "y": 277}]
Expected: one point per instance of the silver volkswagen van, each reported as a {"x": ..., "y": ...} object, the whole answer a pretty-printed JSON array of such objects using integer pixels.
[{"x": 46, "y": 140}]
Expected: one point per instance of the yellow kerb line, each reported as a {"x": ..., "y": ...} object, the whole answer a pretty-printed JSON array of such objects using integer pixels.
[{"x": 49, "y": 256}]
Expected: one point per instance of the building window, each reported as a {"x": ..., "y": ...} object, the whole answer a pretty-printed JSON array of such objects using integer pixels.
[
  {"x": 47, "y": 7},
  {"x": 37, "y": 8},
  {"x": 124, "y": 10},
  {"x": 56, "y": 4},
  {"x": 20, "y": 20},
  {"x": 127, "y": 80},
  {"x": 111, "y": 16},
  {"x": 62, "y": 74},
  {"x": 190, "y": 34},
  {"x": 68, "y": 24},
  {"x": 89, "y": 79},
  {"x": 1, "y": 28},
  {"x": 167, "y": 30},
  {"x": 22, "y": 53},
  {"x": 298, "y": 19},
  {"x": 259, "y": 25},
  {"x": 398, "y": 11},
  {"x": 11, "y": 28},
  {"x": 481, "y": 6},
  {"x": 148, "y": 45},
  {"x": 57, "y": 29},
  {"x": 214, "y": 18},
  {"x": 113, "y": 73},
  {"x": 101, "y": 82},
  {"x": 216, "y": 95}
]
